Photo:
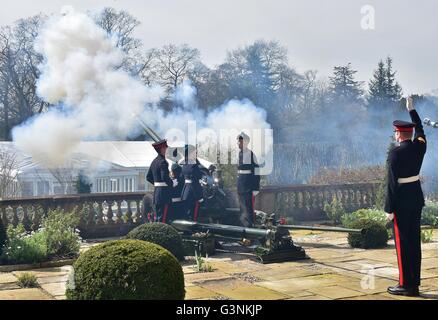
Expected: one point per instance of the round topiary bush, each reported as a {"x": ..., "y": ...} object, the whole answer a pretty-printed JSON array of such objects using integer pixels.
[
  {"x": 126, "y": 269},
  {"x": 374, "y": 235},
  {"x": 162, "y": 234}
]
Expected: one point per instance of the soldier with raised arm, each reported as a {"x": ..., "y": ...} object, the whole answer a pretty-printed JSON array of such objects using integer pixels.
[{"x": 405, "y": 200}]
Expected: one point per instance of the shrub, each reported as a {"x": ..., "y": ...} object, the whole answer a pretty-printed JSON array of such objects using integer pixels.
[
  {"x": 429, "y": 215},
  {"x": 374, "y": 235},
  {"x": 426, "y": 236},
  {"x": 61, "y": 236},
  {"x": 334, "y": 210},
  {"x": 162, "y": 234},
  {"x": 27, "y": 280},
  {"x": 56, "y": 238},
  {"x": 3, "y": 236},
  {"x": 126, "y": 269},
  {"x": 22, "y": 247},
  {"x": 378, "y": 216}
]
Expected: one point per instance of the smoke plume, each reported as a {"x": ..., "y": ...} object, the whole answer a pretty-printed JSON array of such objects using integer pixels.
[{"x": 92, "y": 98}]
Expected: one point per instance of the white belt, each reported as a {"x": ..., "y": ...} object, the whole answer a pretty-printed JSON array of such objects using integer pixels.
[
  {"x": 408, "y": 180},
  {"x": 160, "y": 184},
  {"x": 244, "y": 171},
  {"x": 190, "y": 181},
  {"x": 176, "y": 199}
]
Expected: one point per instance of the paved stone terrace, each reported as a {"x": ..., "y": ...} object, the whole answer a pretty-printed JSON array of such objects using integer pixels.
[{"x": 335, "y": 271}]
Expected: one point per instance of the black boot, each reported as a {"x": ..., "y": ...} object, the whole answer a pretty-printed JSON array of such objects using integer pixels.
[{"x": 402, "y": 291}]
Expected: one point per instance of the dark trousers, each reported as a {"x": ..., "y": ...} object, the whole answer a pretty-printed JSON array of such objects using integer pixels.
[
  {"x": 247, "y": 214},
  {"x": 162, "y": 211},
  {"x": 407, "y": 236},
  {"x": 177, "y": 211},
  {"x": 192, "y": 209}
]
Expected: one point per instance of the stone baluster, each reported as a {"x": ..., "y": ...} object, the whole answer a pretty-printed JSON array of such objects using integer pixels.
[
  {"x": 109, "y": 212},
  {"x": 15, "y": 219},
  {"x": 119, "y": 213},
  {"x": 129, "y": 212},
  {"x": 4, "y": 217},
  {"x": 90, "y": 216},
  {"x": 26, "y": 221},
  {"x": 99, "y": 217},
  {"x": 138, "y": 208},
  {"x": 35, "y": 218}
]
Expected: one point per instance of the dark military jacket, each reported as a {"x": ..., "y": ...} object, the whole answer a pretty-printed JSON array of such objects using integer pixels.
[
  {"x": 177, "y": 190},
  {"x": 405, "y": 161},
  {"x": 159, "y": 173},
  {"x": 247, "y": 181},
  {"x": 192, "y": 191}
]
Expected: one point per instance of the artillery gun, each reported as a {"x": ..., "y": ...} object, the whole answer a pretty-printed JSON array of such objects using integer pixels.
[{"x": 276, "y": 244}]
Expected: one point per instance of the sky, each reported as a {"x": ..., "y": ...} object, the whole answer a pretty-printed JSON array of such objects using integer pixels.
[{"x": 318, "y": 34}]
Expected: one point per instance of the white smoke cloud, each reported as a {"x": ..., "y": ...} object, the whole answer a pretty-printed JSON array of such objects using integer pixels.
[{"x": 95, "y": 100}]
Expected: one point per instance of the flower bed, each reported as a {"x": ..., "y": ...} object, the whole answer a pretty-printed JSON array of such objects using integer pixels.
[{"x": 57, "y": 239}]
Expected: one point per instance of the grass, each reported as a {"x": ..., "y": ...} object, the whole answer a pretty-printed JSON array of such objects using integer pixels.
[{"x": 27, "y": 280}]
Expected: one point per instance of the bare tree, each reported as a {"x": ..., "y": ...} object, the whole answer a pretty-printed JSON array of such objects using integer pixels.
[
  {"x": 19, "y": 73},
  {"x": 120, "y": 26},
  {"x": 9, "y": 170},
  {"x": 174, "y": 64}
]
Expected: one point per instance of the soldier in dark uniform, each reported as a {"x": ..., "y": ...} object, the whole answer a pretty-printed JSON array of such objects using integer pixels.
[
  {"x": 248, "y": 183},
  {"x": 192, "y": 190},
  {"x": 177, "y": 210},
  {"x": 158, "y": 175},
  {"x": 405, "y": 200}
]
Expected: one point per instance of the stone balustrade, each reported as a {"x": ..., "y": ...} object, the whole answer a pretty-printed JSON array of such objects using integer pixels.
[
  {"x": 114, "y": 214},
  {"x": 306, "y": 202},
  {"x": 101, "y": 215}
]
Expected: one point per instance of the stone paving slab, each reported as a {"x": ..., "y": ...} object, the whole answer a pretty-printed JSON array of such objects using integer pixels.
[
  {"x": 47, "y": 272},
  {"x": 7, "y": 277},
  {"x": 334, "y": 271},
  {"x": 197, "y": 292},
  {"x": 250, "y": 292},
  {"x": 24, "y": 294},
  {"x": 336, "y": 292},
  {"x": 55, "y": 289}
]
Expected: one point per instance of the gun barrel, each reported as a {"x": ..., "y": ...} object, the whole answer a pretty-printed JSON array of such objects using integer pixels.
[
  {"x": 329, "y": 229},
  {"x": 430, "y": 123},
  {"x": 222, "y": 230},
  {"x": 151, "y": 133}
]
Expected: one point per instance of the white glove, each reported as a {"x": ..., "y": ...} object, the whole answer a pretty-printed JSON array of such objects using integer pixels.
[
  {"x": 201, "y": 200},
  {"x": 409, "y": 104},
  {"x": 255, "y": 192},
  {"x": 390, "y": 216},
  {"x": 175, "y": 182}
]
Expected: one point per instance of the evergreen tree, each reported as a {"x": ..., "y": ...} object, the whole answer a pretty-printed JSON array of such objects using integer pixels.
[
  {"x": 382, "y": 189},
  {"x": 384, "y": 91},
  {"x": 344, "y": 89},
  {"x": 393, "y": 88},
  {"x": 82, "y": 185},
  {"x": 377, "y": 86}
]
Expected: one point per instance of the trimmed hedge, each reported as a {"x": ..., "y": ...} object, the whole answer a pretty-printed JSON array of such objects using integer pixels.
[
  {"x": 375, "y": 235},
  {"x": 162, "y": 234},
  {"x": 126, "y": 269}
]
